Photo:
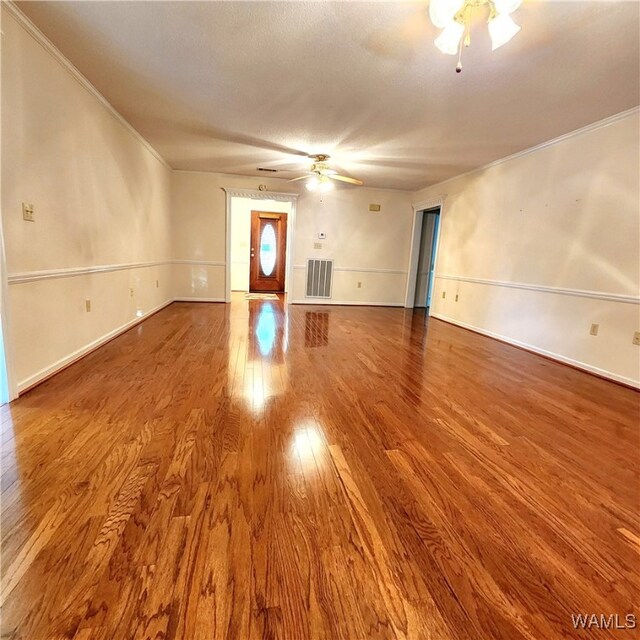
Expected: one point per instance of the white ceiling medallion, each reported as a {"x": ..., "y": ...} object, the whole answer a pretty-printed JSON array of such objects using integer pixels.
[{"x": 454, "y": 18}]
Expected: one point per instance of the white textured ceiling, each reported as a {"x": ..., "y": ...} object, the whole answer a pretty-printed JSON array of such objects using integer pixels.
[{"x": 230, "y": 86}]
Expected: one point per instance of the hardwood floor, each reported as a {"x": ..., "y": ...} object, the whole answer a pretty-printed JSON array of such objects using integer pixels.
[{"x": 242, "y": 471}]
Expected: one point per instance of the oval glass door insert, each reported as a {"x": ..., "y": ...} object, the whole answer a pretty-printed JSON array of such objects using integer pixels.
[{"x": 268, "y": 249}]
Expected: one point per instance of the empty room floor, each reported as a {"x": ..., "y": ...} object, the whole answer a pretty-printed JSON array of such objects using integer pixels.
[{"x": 259, "y": 471}]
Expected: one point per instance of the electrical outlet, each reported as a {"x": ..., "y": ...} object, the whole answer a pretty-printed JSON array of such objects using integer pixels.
[
  {"x": 87, "y": 305},
  {"x": 444, "y": 294},
  {"x": 27, "y": 212},
  {"x": 456, "y": 297},
  {"x": 636, "y": 338},
  {"x": 131, "y": 292},
  {"x": 359, "y": 285},
  {"x": 594, "y": 329}
]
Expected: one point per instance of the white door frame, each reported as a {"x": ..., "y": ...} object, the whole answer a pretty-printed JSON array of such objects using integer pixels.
[
  {"x": 255, "y": 194},
  {"x": 414, "y": 254}
]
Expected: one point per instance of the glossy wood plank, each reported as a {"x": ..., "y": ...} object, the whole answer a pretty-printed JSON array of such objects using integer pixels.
[{"x": 260, "y": 471}]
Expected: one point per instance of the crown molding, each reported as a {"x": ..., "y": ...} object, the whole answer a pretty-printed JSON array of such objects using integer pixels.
[
  {"x": 256, "y": 194},
  {"x": 50, "y": 48},
  {"x": 431, "y": 203},
  {"x": 600, "y": 124}
]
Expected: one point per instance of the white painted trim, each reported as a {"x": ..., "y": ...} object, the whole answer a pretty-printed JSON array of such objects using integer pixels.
[
  {"x": 550, "y": 354},
  {"x": 193, "y": 299},
  {"x": 414, "y": 259},
  {"x": 355, "y": 269},
  {"x": 605, "y": 122},
  {"x": 580, "y": 293},
  {"x": 52, "y": 274},
  {"x": 255, "y": 194},
  {"x": 50, "y": 48},
  {"x": 349, "y": 303},
  {"x": 207, "y": 263},
  {"x": 431, "y": 203},
  {"x": 79, "y": 353}
]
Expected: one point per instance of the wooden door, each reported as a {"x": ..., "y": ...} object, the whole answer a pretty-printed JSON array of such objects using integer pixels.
[{"x": 268, "y": 251}]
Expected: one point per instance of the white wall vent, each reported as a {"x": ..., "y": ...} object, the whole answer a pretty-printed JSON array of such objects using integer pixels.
[{"x": 319, "y": 277}]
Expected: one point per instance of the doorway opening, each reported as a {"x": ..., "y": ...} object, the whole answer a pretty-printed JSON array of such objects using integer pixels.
[
  {"x": 426, "y": 258},
  {"x": 422, "y": 261},
  {"x": 259, "y": 237}
]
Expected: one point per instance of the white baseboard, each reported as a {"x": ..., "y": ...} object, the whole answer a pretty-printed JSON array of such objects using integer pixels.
[
  {"x": 47, "y": 372},
  {"x": 187, "y": 299},
  {"x": 604, "y": 373},
  {"x": 353, "y": 303}
]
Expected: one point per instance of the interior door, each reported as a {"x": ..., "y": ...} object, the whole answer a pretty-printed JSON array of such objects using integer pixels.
[{"x": 268, "y": 251}]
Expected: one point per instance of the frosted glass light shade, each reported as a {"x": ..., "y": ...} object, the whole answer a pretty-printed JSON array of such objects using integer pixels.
[
  {"x": 312, "y": 183},
  {"x": 449, "y": 40},
  {"x": 501, "y": 29},
  {"x": 325, "y": 185},
  {"x": 441, "y": 12},
  {"x": 506, "y": 6}
]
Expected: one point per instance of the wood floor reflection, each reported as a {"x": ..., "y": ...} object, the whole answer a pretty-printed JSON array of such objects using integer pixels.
[{"x": 260, "y": 471}]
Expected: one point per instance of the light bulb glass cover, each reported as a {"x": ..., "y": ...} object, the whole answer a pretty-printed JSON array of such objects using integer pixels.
[
  {"x": 312, "y": 183},
  {"x": 325, "y": 185},
  {"x": 441, "y": 12},
  {"x": 506, "y": 6},
  {"x": 449, "y": 39},
  {"x": 501, "y": 29}
]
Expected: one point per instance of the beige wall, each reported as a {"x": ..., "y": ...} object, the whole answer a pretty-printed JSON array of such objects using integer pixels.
[
  {"x": 562, "y": 217},
  {"x": 370, "y": 248},
  {"x": 101, "y": 200},
  {"x": 367, "y": 248}
]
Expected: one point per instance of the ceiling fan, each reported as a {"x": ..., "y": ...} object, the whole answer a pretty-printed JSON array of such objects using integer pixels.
[{"x": 320, "y": 176}]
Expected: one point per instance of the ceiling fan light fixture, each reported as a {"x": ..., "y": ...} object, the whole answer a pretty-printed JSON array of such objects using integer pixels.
[
  {"x": 501, "y": 29},
  {"x": 312, "y": 183},
  {"x": 324, "y": 184},
  {"x": 442, "y": 12},
  {"x": 454, "y": 17},
  {"x": 449, "y": 39}
]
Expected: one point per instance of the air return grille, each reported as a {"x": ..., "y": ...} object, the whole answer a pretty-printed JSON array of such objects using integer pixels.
[{"x": 319, "y": 273}]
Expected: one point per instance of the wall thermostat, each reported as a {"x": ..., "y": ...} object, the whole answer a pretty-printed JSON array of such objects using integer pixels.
[{"x": 322, "y": 236}]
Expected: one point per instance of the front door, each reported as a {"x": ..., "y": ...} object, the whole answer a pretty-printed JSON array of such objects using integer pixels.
[{"x": 268, "y": 251}]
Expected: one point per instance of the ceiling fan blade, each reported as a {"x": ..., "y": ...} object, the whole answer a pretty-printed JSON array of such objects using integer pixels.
[
  {"x": 298, "y": 178},
  {"x": 346, "y": 179}
]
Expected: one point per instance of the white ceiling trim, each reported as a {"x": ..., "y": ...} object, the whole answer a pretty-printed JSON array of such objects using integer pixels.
[
  {"x": 260, "y": 195},
  {"x": 431, "y": 203},
  {"x": 50, "y": 48},
  {"x": 543, "y": 145}
]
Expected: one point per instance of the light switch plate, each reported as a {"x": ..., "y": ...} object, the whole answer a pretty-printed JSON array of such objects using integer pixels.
[
  {"x": 27, "y": 212},
  {"x": 317, "y": 245},
  {"x": 636, "y": 338},
  {"x": 594, "y": 329}
]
